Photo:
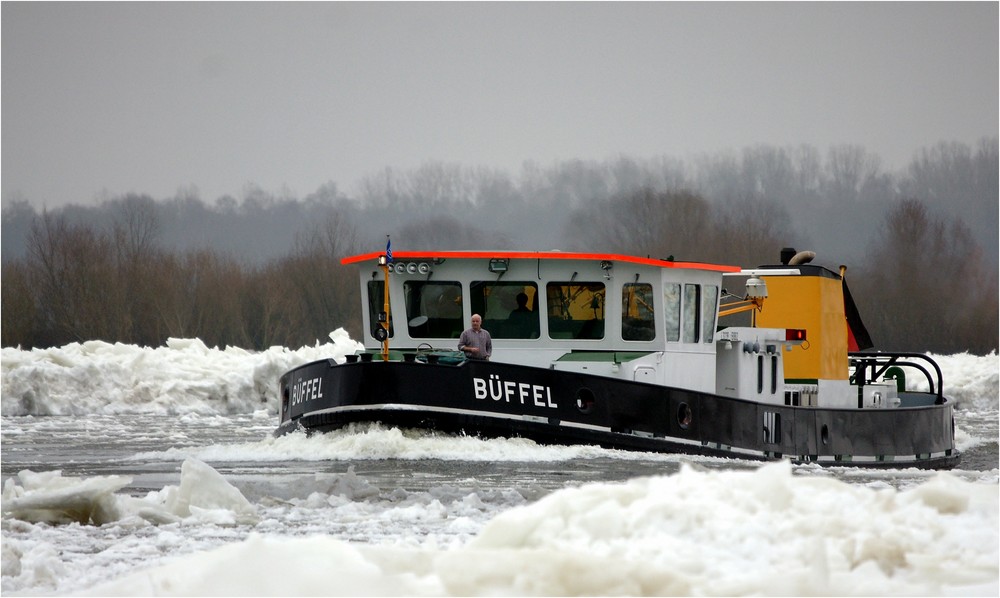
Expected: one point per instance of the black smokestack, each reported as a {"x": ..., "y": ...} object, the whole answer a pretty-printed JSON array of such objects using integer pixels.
[{"x": 787, "y": 254}]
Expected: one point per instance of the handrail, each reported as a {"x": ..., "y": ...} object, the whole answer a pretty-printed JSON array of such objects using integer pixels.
[{"x": 862, "y": 360}]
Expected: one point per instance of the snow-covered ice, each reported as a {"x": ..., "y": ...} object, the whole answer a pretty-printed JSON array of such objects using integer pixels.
[{"x": 194, "y": 497}]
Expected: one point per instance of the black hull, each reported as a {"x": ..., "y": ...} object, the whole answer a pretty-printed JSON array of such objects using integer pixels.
[{"x": 557, "y": 407}]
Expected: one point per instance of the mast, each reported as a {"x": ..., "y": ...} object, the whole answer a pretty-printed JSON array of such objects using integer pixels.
[{"x": 384, "y": 262}]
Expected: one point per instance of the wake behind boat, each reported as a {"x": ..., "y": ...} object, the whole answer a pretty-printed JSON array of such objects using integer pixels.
[{"x": 631, "y": 353}]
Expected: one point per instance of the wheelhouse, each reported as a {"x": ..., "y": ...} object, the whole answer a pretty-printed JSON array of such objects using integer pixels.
[
  {"x": 544, "y": 299},
  {"x": 564, "y": 308}
]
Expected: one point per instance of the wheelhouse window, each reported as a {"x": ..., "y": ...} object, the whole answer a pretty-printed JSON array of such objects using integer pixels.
[
  {"x": 376, "y": 305},
  {"x": 638, "y": 322},
  {"x": 709, "y": 311},
  {"x": 672, "y": 311},
  {"x": 575, "y": 309},
  {"x": 692, "y": 307},
  {"x": 433, "y": 309},
  {"x": 509, "y": 309}
]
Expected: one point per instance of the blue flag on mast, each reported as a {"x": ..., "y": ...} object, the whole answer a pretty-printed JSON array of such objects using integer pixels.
[{"x": 388, "y": 249}]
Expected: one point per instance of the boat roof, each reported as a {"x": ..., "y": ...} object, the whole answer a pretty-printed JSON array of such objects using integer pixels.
[{"x": 540, "y": 255}]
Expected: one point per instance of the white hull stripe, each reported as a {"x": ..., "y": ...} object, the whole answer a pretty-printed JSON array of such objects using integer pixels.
[{"x": 543, "y": 420}]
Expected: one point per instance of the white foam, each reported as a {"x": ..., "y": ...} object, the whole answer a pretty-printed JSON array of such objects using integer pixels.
[{"x": 372, "y": 441}]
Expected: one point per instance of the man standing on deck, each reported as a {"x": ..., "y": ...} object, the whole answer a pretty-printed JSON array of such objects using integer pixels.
[{"x": 476, "y": 342}]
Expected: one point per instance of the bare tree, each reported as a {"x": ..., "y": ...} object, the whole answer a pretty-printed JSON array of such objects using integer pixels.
[
  {"x": 768, "y": 173},
  {"x": 851, "y": 168},
  {"x": 748, "y": 232},
  {"x": 925, "y": 286},
  {"x": 18, "y": 313},
  {"x": 135, "y": 231},
  {"x": 644, "y": 222},
  {"x": 73, "y": 270}
]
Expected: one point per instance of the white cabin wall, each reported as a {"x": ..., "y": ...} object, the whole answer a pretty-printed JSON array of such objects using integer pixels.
[
  {"x": 837, "y": 393},
  {"x": 688, "y": 365},
  {"x": 689, "y": 370},
  {"x": 740, "y": 353}
]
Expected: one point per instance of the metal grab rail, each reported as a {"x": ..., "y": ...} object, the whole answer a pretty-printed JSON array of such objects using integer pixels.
[{"x": 870, "y": 366}]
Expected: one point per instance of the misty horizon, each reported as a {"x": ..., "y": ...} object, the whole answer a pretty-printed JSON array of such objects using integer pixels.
[
  {"x": 686, "y": 166},
  {"x": 831, "y": 201}
]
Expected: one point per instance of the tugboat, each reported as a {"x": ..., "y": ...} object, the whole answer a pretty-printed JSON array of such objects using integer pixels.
[{"x": 631, "y": 353}]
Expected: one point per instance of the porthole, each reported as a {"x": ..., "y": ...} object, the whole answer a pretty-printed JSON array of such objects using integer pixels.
[
  {"x": 585, "y": 400},
  {"x": 684, "y": 416},
  {"x": 284, "y": 400},
  {"x": 824, "y": 435}
]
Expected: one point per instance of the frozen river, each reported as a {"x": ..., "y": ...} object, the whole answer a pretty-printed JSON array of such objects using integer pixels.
[{"x": 181, "y": 489}]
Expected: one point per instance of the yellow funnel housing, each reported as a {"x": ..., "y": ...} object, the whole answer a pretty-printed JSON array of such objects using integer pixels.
[{"x": 813, "y": 300}]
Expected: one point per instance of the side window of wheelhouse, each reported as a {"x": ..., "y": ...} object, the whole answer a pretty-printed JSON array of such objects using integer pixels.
[
  {"x": 376, "y": 305},
  {"x": 709, "y": 311},
  {"x": 433, "y": 309},
  {"x": 672, "y": 311},
  {"x": 575, "y": 309},
  {"x": 638, "y": 322},
  {"x": 509, "y": 309},
  {"x": 692, "y": 307}
]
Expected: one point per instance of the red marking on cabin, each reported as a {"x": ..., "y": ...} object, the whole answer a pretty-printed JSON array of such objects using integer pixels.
[{"x": 541, "y": 255}]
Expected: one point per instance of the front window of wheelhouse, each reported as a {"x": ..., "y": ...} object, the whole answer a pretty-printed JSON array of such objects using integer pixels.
[
  {"x": 638, "y": 323},
  {"x": 376, "y": 306},
  {"x": 509, "y": 309},
  {"x": 433, "y": 309},
  {"x": 575, "y": 309}
]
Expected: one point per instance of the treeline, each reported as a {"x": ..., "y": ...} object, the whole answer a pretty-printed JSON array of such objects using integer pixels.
[
  {"x": 265, "y": 270},
  {"x": 925, "y": 288},
  {"x": 79, "y": 282}
]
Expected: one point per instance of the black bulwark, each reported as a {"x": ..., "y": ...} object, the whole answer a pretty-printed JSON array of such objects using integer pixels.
[{"x": 558, "y": 407}]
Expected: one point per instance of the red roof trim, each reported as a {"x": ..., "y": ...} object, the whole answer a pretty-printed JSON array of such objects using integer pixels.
[{"x": 544, "y": 255}]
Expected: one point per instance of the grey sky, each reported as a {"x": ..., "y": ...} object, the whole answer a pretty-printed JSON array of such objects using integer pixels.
[{"x": 106, "y": 98}]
